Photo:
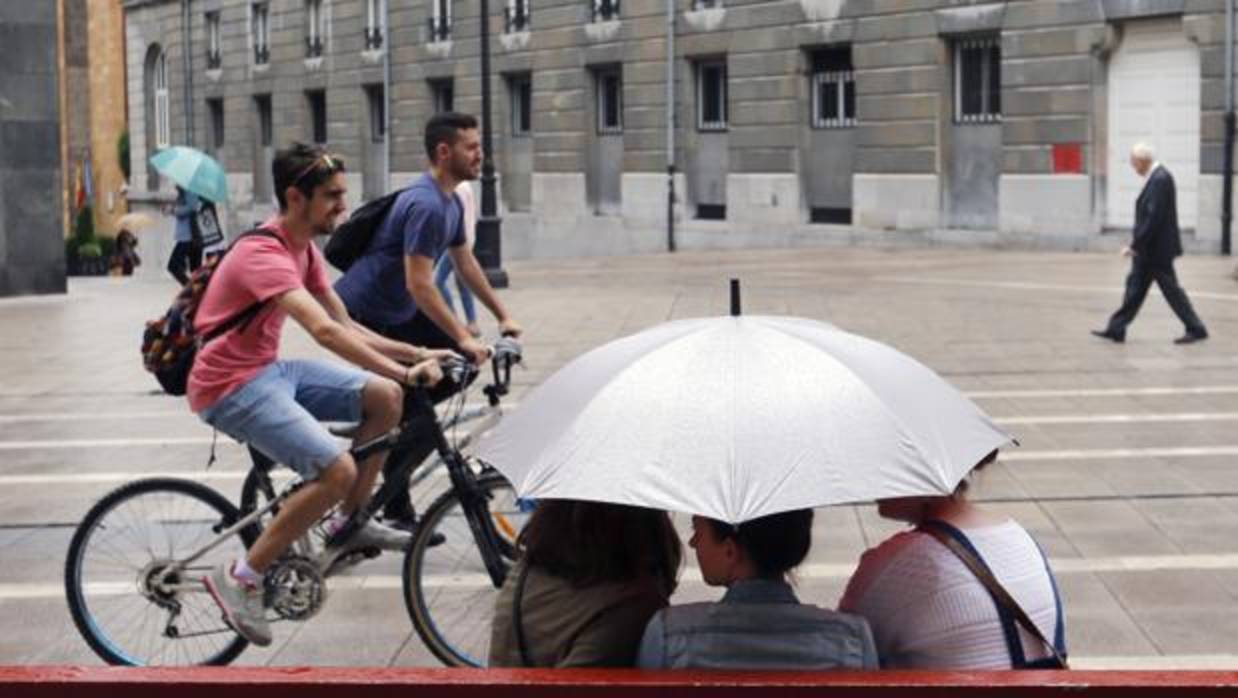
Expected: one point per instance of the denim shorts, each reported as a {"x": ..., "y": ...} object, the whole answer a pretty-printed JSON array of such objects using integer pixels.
[{"x": 280, "y": 410}]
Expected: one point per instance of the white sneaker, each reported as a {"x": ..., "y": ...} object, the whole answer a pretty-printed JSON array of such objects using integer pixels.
[{"x": 241, "y": 603}]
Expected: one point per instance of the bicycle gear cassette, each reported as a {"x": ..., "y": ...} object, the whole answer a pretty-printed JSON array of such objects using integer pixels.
[{"x": 295, "y": 589}]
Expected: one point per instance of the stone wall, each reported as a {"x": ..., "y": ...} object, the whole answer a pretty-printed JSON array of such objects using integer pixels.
[
  {"x": 31, "y": 247},
  {"x": 1052, "y": 94}
]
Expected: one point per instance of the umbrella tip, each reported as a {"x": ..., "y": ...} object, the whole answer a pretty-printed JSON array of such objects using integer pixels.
[{"x": 735, "y": 309}]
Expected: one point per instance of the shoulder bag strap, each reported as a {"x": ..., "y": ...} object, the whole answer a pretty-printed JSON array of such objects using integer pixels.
[
  {"x": 243, "y": 318},
  {"x": 518, "y": 616},
  {"x": 941, "y": 531}
]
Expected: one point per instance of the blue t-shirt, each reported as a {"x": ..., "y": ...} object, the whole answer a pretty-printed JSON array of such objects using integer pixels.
[{"x": 423, "y": 221}]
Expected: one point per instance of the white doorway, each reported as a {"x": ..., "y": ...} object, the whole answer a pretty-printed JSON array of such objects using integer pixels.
[{"x": 1154, "y": 78}]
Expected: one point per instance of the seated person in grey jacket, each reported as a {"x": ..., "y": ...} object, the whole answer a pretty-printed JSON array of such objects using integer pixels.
[{"x": 759, "y": 623}]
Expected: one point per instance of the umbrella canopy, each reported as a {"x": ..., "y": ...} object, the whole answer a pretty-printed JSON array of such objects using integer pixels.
[
  {"x": 193, "y": 170},
  {"x": 134, "y": 222},
  {"x": 741, "y": 417}
]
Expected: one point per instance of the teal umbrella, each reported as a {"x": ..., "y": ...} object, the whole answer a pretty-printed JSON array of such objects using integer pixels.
[{"x": 193, "y": 170}]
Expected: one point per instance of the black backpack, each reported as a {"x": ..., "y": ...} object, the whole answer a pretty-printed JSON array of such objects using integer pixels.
[{"x": 351, "y": 239}]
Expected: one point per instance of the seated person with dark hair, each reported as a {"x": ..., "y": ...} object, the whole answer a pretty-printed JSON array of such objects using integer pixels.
[
  {"x": 589, "y": 577},
  {"x": 759, "y": 623}
]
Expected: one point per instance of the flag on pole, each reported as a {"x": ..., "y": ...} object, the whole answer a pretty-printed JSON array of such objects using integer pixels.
[
  {"x": 88, "y": 183},
  {"x": 79, "y": 194}
]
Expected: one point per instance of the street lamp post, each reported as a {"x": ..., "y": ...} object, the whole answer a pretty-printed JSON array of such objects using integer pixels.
[{"x": 488, "y": 247}]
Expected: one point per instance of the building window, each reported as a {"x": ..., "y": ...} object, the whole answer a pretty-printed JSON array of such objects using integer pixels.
[
  {"x": 520, "y": 87},
  {"x": 375, "y": 10},
  {"x": 833, "y": 88},
  {"x": 516, "y": 16},
  {"x": 978, "y": 80},
  {"x": 260, "y": 32},
  {"x": 266, "y": 126},
  {"x": 317, "y": 101},
  {"x": 215, "y": 114},
  {"x": 163, "y": 123},
  {"x": 605, "y": 10},
  {"x": 315, "y": 28},
  {"x": 214, "y": 57},
  {"x": 440, "y": 20},
  {"x": 711, "y": 112},
  {"x": 609, "y": 87},
  {"x": 442, "y": 95},
  {"x": 378, "y": 112}
]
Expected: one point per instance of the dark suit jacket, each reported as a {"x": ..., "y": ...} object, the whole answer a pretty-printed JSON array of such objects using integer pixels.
[{"x": 1156, "y": 238}]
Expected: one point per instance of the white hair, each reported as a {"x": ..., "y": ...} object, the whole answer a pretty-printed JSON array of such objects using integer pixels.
[{"x": 1143, "y": 152}]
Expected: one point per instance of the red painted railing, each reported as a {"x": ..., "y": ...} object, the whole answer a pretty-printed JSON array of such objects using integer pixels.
[{"x": 238, "y": 682}]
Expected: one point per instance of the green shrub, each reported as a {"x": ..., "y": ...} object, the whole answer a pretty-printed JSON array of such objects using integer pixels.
[
  {"x": 107, "y": 245},
  {"x": 84, "y": 228},
  {"x": 122, "y": 153}
]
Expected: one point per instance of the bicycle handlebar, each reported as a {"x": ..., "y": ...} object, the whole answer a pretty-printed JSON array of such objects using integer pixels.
[{"x": 505, "y": 353}]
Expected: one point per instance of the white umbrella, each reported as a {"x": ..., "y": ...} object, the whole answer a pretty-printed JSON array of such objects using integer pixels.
[{"x": 740, "y": 417}]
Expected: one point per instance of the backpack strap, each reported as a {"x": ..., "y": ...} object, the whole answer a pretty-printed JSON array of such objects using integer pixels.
[
  {"x": 243, "y": 318},
  {"x": 1008, "y": 610}
]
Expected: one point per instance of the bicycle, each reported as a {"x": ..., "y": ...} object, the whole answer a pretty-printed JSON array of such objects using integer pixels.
[{"x": 134, "y": 567}]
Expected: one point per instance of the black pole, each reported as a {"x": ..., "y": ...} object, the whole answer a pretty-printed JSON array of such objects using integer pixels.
[
  {"x": 670, "y": 208},
  {"x": 735, "y": 310},
  {"x": 489, "y": 226},
  {"x": 1227, "y": 195}
]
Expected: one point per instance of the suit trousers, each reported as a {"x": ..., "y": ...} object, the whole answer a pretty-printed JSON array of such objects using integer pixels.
[{"x": 1140, "y": 279}]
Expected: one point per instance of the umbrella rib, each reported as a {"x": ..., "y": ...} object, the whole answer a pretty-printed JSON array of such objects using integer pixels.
[{"x": 902, "y": 427}]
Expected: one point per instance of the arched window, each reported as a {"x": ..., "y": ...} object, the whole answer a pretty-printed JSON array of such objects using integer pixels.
[
  {"x": 163, "y": 135},
  {"x": 156, "y": 107}
]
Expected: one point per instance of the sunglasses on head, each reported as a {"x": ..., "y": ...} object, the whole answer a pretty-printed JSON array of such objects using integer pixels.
[{"x": 322, "y": 161}]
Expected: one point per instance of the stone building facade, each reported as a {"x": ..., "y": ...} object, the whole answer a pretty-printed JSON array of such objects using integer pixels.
[
  {"x": 31, "y": 247},
  {"x": 795, "y": 121}
]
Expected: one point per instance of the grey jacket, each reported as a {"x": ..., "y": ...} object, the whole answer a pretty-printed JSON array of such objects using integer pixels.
[{"x": 758, "y": 624}]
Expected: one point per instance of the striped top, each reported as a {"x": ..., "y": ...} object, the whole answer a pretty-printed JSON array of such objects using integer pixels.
[{"x": 927, "y": 610}]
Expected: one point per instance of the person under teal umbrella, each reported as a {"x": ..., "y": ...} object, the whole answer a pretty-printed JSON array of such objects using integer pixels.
[
  {"x": 194, "y": 171},
  {"x": 186, "y": 254},
  {"x": 200, "y": 183}
]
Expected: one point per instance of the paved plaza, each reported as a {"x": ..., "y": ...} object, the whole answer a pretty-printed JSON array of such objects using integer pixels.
[{"x": 1127, "y": 472}]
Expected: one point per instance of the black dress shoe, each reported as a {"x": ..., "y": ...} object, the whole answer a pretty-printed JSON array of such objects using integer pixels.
[
  {"x": 1191, "y": 338},
  {"x": 1106, "y": 334}
]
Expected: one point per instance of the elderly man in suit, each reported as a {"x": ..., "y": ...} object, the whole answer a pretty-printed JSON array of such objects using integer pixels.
[{"x": 1155, "y": 242}]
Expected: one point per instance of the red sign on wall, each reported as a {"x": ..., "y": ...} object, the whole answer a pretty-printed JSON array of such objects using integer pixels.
[{"x": 1067, "y": 158}]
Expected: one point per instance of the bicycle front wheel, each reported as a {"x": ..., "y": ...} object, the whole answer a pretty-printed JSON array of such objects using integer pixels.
[
  {"x": 125, "y": 601},
  {"x": 448, "y": 592}
]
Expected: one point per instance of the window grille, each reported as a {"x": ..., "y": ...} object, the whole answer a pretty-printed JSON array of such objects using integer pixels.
[
  {"x": 978, "y": 80},
  {"x": 610, "y": 101},
  {"x": 833, "y": 88},
  {"x": 214, "y": 56},
  {"x": 711, "y": 96}
]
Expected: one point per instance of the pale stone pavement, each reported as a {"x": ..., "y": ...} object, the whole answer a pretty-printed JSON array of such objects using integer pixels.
[{"x": 1127, "y": 473}]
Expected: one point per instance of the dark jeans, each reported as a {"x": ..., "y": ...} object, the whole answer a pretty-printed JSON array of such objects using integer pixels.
[
  {"x": 1140, "y": 279},
  {"x": 422, "y": 332},
  {"x": 184, "y": 254}
]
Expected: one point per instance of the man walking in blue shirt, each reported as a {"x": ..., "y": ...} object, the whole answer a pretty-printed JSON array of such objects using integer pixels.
[{"x": 391, "y": 288}]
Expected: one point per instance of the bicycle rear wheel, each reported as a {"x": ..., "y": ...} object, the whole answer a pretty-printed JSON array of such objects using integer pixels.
[
  {"x": 447, "y": 590},
  {"x": 128, "y": 610}
]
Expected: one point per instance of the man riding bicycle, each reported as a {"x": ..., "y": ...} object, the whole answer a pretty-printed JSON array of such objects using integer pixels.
[
  {"x": 390, "y": 288},
  {"x": 240, "y": 386}
]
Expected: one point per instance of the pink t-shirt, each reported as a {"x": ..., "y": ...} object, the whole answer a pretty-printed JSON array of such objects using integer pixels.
[{"x": 256, "y": 269}]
